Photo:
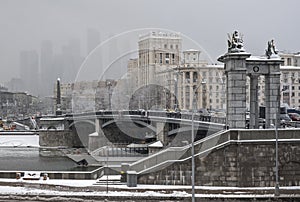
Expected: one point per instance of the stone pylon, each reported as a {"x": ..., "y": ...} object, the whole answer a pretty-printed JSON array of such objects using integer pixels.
[{"x": 235, "y": 70}]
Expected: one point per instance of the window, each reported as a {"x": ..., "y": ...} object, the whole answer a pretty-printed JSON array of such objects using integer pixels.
[
  {"x": 167, "y": 58},
  {"x": 173, "y": 58},
  {"x": 171, "y": 46},
  {"x": 285, "y": 87},
  {"x": 195, "y": 77},
  {"x": 165, "y": 46},
  {"x": 160, "y": 58},
  {"x": 293, "y": 87},
  {"x": 289, "y": 61}
]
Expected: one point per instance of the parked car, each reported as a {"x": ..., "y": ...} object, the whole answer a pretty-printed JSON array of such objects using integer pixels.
[
  {"x": 285, "y": 120},
  {"x": 294, "y": 116}
]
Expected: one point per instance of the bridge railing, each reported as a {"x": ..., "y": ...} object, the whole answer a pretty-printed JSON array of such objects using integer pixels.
[
  {"x": 158, "y": 161},
  {"x": 120, "y": 151},
  {"x": 152, "y": 113}
]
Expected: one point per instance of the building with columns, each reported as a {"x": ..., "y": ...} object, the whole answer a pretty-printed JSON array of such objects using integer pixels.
[
  {"x": 200, "y": 84},
  {"x": 191, "y": 80}
]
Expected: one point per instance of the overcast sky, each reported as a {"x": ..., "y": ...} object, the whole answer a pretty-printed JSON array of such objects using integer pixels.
[{"x": 25, "y": 23}]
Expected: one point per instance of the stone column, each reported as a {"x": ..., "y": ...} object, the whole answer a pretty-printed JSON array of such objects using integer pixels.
[
  {"x": 183, "y": 90},
  {"x": 235, "y": 69},
  {"x": 254, "y": 115},
  {"x": 161, "y": 131},
  {"x": 272, "y": 92},
  {"x": 191, "y": 90}
]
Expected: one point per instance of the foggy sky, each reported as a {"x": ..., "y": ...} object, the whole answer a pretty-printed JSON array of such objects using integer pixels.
[{"x": 25, "y": 23}]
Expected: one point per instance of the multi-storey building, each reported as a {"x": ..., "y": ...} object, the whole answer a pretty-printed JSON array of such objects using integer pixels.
[
  {"x": 200, "y": 85},
  {"x": 86, "y": 96},
  {"x": 290, "y": 85},
  {"x": 158, "y": 53},
  {"x": 291, "y": 59},
  {"x": 192, "y": 82},
  {"x": 14, "y": 105}
]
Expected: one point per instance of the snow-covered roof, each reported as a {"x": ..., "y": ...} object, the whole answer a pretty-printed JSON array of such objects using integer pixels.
[
  {"x": 191, "y": 50},
  {"x": 157, "y": 144},
  {"x": 94, "y": 134},
  {"x": 289, "y": 68},
  {"x": 264, "y": 58},
  {"x": 53, "y": 119},
  {"x": 133, "y": 145}
]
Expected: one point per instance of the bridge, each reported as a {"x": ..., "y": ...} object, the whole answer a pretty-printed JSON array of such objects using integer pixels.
[{"x": 96, "y": 129}]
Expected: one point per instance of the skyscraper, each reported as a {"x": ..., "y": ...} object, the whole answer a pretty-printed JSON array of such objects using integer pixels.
[
  {"x": 71, "y": 59},
  {"x": 29, "y": 64},
  {"x": 47, "y": 76},
  {"x": 93, "y": 39}
]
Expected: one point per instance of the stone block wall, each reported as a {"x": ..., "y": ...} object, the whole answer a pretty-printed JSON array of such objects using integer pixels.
[
  {"x": 239, "y": 164},
  {"x": 54, "y": 138}
]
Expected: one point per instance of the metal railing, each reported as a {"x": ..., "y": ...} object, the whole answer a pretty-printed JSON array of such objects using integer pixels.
[{"x": 161, "y": 159}]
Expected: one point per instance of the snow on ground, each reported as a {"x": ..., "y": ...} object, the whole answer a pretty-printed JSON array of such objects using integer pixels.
[
  {"x": 19, "y": 141},
  {"x": 152, "y": 190},
  {"x": 70, "y": 183},
  {"x": 9, "y": 190},
  {"x": 87, "y": 183}
]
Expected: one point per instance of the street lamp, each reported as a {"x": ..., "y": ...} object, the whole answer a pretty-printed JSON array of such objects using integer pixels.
[
  {"x": 193, "y": 157},
  {"x": 203, "y": 84},
  {"x": 276, "y": 152}
]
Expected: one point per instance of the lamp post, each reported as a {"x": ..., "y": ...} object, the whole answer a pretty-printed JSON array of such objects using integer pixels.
[
  {"x": 276, "y": 151},
  {"x": 276, "y": 156},
  {"x": 193, "y": 158},
  {"x": 203, "y": 83},
  {"x": 107, "y": 148}
]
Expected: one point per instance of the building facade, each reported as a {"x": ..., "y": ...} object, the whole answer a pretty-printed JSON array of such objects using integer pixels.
[
  {"x": 201, "y": 85},
  {"x": 158, "y": 53},
  {"x": 86, "y": 96},
  {"x": 188, "y": 81}
]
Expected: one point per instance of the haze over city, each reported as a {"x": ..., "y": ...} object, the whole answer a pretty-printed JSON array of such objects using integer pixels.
[{"x": 26, "y": 25}]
